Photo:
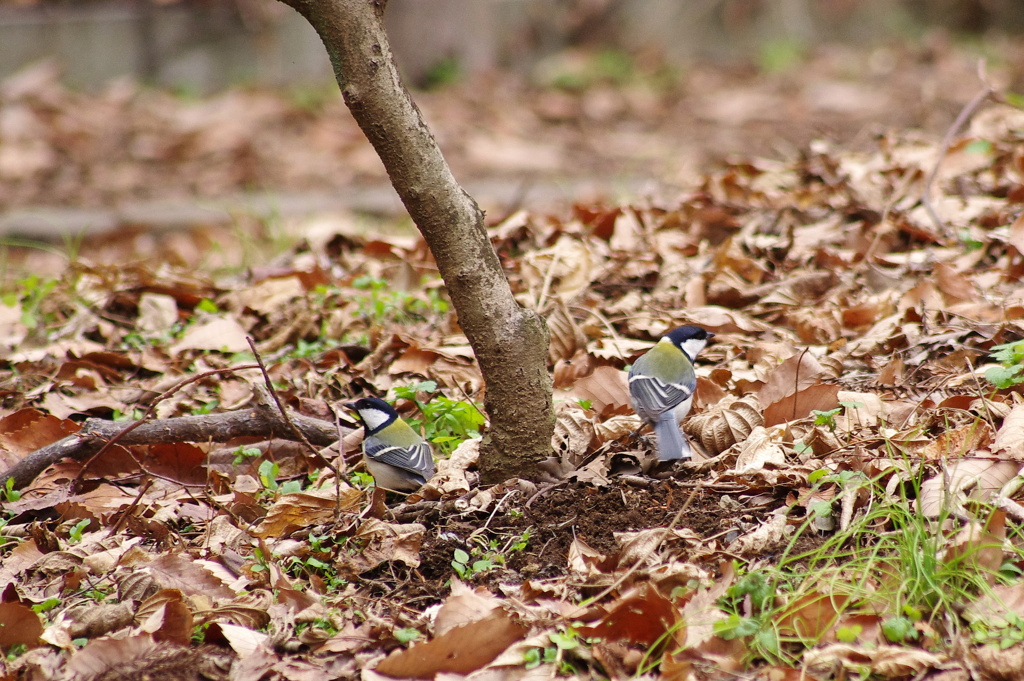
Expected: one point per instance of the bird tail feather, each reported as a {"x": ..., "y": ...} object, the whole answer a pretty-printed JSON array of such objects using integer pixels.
[{"x": 671, "y": 443}]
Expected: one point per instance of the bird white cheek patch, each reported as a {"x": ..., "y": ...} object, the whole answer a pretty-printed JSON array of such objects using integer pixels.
[
  {"x": 693, "y": 346},
  {"x": 373, "y": 418}
]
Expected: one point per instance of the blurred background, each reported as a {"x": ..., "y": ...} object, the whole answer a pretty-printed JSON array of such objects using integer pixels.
[
  {"x": 141, "y": 117},
  {"x": 206, "y": 45}
]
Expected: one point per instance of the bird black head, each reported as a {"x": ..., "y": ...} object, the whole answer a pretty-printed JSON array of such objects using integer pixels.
[
  {"x": 690, "y": 339},
  {"x": 374, "y": 412}
]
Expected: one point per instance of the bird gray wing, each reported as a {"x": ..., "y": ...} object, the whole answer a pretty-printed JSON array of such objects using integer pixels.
[
  {"x": 653, "y": 396},
  {"x": 417, "y": 459}
]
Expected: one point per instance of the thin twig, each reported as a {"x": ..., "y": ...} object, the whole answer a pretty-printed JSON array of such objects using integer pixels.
[
  {"x": 981, "y": 393},
  {"x": 796, "y": 380},
  {"x": 143, "y": 488},
  {"x": 496, "y": 507},
  {"x": 515, "y": 204},
  {"x": 277, "y": 399},
  {"x": 548, "y": 277},
  {"x": 471, "y": 401},
  {"x": 608, "y": 325},
  {"x": 965, "y": 115},
  {"x": 287, "y": 419}
]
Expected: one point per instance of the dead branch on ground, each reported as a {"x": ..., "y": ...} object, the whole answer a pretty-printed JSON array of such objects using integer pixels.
[{"x": 261, "y": 420}]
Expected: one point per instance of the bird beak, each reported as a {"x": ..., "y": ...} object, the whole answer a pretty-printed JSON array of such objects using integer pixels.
[{"x": 345, "y": 420}]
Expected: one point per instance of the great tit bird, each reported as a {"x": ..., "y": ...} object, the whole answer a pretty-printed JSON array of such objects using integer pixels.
[
  {"x": 661, "y": 385},
  {"x": 395, "y": 454}
]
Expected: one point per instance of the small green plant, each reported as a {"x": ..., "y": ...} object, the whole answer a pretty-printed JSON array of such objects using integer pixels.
[
  {"x": 849, "y": 634},
  {"x": 30, "y": 293},
  {"x": 407, "y": 634},
  {"x": 321, "y": 623},
  {"x": 319, "y": 543},
  {"x": 46, "y": 606},
  {"x": 446, "y": 422},
  {"x": 845, "y": 479},
  {"x": 487, "y": 554},
  {"x": 360, "y": 479},
  {"x": 318, "y": 564},
  {"x": 309, "y": 349},
  {"x": 268, "y": 472},
  {"x": 134, "y": 415},
  {"x": 519, "y": 543},
  {"x": 290, "y": 487},
  {"x": 311, "y": 563},
  {"x": 969, "y": 241},
  {"x": 754, "y": 585},
  {"x": 382, "y": 303},
  {"x": 207, "y": 407},
  {"x": 77, "y": 530},
  {"x": 134, "y": 340},
  {"x": 535, "y": 657},
  {"x": 208, "y": 306},
  {"x": 99, "y": 593},
  {"x": 466, "y": 568},
  {"x": 262, "y": 561},
  {"x": 1005, "y": 631},
  {"x": 16, "y": 651},
  {"x": 199, "y": 633},
  {"x": 312, "y": 97},
  {"x": 750, "y": 603},
  {"x": 1011, "y": 373},
  {"x": 613, "y": 67},
  {"x": 979, "y": 147},
  {"x": 8, "y": 493},
  {"x": 243, "y": 454},
  {"x": 562, "y": 644},
  {"x": 736, "y": 626},
  {"x": 826, "y": 418},
  {"x": 901, "y": 629}
]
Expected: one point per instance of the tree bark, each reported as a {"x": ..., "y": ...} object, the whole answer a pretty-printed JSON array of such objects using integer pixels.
[{"x": 510, "y": 342}]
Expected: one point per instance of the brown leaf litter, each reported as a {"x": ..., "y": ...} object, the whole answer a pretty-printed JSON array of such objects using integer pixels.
[{"x": 852, "y": 335}]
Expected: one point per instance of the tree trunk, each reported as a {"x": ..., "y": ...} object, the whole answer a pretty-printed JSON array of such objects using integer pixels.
[{"x": 510, "y": 342}]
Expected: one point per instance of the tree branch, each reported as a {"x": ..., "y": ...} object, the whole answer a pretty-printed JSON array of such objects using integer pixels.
[
  {"x": 260, "y": 421},
  {"x": 510, "y": 342}
]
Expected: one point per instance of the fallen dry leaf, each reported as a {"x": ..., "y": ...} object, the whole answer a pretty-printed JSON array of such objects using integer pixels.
[
  {"x": 886, "y": 660},
  {"x": 643, "y": 617},
  {"x": 727, "y": 423},
  {"x": 19, "y": 625},
  {"x": 977, "y": 478},
  {"x": 1009, "y": 438},
  {"x": 816, "y": 397},
  {"x": 461, "y": 650}
]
